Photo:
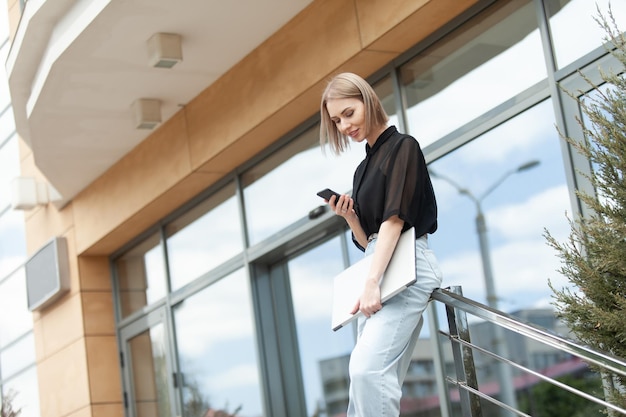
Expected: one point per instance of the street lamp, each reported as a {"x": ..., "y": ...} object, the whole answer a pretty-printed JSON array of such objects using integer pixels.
[{"x": 499, "y": 346}]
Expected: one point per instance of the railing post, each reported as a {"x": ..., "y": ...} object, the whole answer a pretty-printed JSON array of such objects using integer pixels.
[
  {"x": 463, "y": 359},
  {"x": 438, "y": 359}
]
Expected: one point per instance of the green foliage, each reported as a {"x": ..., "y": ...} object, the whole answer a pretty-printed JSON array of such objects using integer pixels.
[
  {"x": 548, "y": 400},
  {"x": 594, "y": 256},
  {"x": 6, "y": 409}
]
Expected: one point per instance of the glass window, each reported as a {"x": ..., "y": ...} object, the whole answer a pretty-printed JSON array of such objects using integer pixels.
[
  {"x": 475, "y": 68},
  {"x": 354, "y": 254},
  {"x": 18, "y": 356},
  {"x": 15, "y": 317},
  {"x": 12, "y": 242},
  {"x": 574, "y": 30},
  {"x": 217, "y": 350},
  {"x": 150, "y": 374},
  {"x": 204, "y": 237},
  {"x": 5, "y": 97},
  {"x": 517, "y": 206},
  {"x": 9, "y": 168},
  {"x": 282, "y": 189},
  {"x": 323, "y": 353},
  {"x": 25, "y": 391},
  {"x": 141, "y": 275},
  {"x": 4, "y": 29},
  {"x": 7, "y": 123}
]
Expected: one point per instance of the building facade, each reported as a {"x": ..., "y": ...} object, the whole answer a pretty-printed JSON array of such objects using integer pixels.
[
  {"x": 177, "y": 147},
  {"x": 18, "y": 370}
]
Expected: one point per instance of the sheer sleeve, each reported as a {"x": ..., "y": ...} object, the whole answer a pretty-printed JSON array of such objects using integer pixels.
[{"x": 403, "y": 184}]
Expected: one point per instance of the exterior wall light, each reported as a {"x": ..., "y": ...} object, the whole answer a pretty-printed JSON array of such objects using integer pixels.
[{"x": 28, "y": 193}]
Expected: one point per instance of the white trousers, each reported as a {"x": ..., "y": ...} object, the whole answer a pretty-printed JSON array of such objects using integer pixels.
[{"x": 385, "y": 342}]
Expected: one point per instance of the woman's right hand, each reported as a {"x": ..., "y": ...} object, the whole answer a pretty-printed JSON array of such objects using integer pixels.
[{"x": 343, "y": 207}]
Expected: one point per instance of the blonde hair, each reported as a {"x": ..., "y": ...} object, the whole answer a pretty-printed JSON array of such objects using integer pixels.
[{"x": 349, "y": 85}]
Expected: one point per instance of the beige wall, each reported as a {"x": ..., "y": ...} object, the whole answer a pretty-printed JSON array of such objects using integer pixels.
[{"x": 279, "y": 85}]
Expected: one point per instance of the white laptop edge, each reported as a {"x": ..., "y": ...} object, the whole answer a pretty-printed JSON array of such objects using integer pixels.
[{"x": 348, "y": 285}]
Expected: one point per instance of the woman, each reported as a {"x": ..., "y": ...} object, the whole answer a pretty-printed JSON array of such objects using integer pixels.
[{"x": 391, "y": 193}]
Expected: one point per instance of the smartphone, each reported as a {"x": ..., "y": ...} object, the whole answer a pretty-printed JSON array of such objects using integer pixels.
[{"x": 327, "y": 193}]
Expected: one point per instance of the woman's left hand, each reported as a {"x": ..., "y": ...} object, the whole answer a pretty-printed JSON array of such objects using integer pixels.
[
  {"x": 369, "y": 303},
  {"x": 388, "y": 236}
]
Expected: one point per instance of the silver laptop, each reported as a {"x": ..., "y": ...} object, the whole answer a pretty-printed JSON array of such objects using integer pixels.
[{"x": 348, "y": 285}]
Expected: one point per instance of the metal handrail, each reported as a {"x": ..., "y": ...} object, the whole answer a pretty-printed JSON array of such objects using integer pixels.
[
  {"x": 532, "y": 372},
  {"x": 486, "y": 397},
  {"x": 605, "y": 360},
  {"x": 466, "y": 383}
]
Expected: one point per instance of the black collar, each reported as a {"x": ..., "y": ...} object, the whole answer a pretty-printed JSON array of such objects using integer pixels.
[{"x": 387, "y": 133}]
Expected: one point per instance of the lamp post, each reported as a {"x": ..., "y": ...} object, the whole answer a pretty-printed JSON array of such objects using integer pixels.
[{"x": 499, "y": 344}]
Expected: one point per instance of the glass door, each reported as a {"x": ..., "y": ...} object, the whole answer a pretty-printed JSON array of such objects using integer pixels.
[
  {"x": 147, "y": 366},
  {"x": 323, "y": 353}
]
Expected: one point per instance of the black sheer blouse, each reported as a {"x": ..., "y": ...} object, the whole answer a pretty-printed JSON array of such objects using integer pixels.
[{"x": 393, "y": 180}]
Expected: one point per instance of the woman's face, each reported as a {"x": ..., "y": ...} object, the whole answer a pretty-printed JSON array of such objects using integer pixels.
[{"x": 348, "y": 114}]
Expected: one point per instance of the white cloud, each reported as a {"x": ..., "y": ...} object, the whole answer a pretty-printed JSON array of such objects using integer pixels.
[
  {"x": 575, "y": 31},
  {"x": 524, "y": 263},
  {"x": 313, "y": 298},
  {"x": 234, "y": 377},
  {"x": 546, "y": 209},
  {"x": 519, "y": 268},
  {"x": 288, "y": 193},
  {"x": 546, "y": 302},
  {"x": 465, "y": 98},
  {"x": 15, "y": 318},
  {"x": 222, "y": 313}
]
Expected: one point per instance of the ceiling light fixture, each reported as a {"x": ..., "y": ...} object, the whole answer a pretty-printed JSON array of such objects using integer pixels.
[
  {"x": 147, "y": 112},
  {"x": 164, "y": 50}
]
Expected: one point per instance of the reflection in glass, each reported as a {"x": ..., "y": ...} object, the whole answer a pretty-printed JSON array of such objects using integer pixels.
[
  {"x": 573, "y": 28},
  {"x": 204, "y": 237},
  {"x": 384, "y": 91},
  {"x": 15, "y": 318},
  {"x": 150, "y": 373},
  {"x": 217, "y": 350},
  {"x": 7, "y": 123},
  {"x": 5, "y": 96},
  {"x": 141, "y": 275},
  {"x": 324, "y": 354},
  {"x": 18, "y": 356},
  {"x": 25, "y": 389},
  {"x": 281, "y": 189},
  {"x": 354, "y": 254},
  {"x": 516, "y": 213},
  {"x": 472, "y": 70},
  {"x": 9, "y": 168},
  {"x": 12, "y": 241}
]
